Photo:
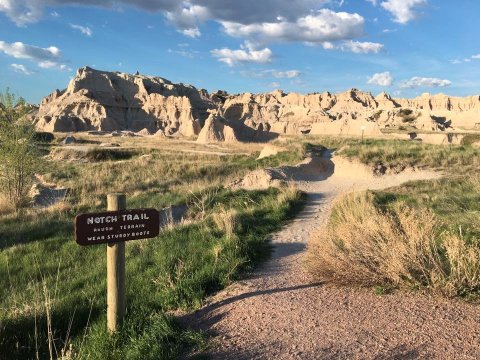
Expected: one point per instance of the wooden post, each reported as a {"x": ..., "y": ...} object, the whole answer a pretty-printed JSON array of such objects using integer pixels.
[{"x": 115, "y": 270}]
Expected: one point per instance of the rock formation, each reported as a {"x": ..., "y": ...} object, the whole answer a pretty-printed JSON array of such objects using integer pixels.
[
  {"x": 109, "y": 101},
  {"x": 112, "y": 101},
  {"x": 216, "y": 129}
]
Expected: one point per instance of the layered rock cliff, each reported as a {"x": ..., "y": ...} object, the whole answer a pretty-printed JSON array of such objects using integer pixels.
[{"x": 108, "y": 101}]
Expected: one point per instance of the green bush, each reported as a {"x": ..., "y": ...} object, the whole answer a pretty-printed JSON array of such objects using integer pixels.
[{"x": 19, "y": 159}]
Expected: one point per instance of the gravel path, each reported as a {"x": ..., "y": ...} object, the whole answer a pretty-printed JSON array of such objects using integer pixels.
[{"x": 281, "y": 313}]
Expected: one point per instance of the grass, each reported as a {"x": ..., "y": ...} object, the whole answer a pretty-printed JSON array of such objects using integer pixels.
[
  {"x": 52, "y": 291},
  {"x": 454, "y": 200},
  {"x": 402, "y": 154},
  {"x": 157, "y": 178},
  {"x": 421, "y": 235}
]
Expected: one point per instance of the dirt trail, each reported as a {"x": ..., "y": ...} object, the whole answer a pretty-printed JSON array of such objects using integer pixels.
[{"x": 281, "y": 313}]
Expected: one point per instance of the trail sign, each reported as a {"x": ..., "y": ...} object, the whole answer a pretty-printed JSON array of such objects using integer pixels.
[{"x": 116, "y": 226}]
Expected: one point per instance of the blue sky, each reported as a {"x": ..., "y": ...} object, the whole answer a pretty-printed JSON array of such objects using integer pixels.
[{"x": 404, "y": 47}]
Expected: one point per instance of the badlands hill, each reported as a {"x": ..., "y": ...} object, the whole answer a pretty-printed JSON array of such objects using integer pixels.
[{"x": 110, "y": 101}]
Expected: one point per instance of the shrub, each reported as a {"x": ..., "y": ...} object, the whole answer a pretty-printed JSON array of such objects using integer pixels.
[
  {"x": 366, "y": 246},
  {"x": 18, "y": 154}
]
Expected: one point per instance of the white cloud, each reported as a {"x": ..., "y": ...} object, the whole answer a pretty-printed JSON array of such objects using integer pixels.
[
  {"x": 55, "y": 14},
  {"x": 327, "y": 45},
  {"x": 20, "y": 50},
  {"x": 245, "y": 54},
  {"x": 277, "y": 74},
  {"x": 361, "y": 47},
  {"x": 85, "y": 30},
  {"x": 187, "y": 19},
  {"x": 46, "y": 58},
  {"x": 21, "y": 69},
  {"x": 53, "y": 65},
  {"x": 356, "y": 47},
  {"x": 274, "y": 85},
  {"x": 465, "y": 60},
  {"x": 184, "y": 53},
  {"x": 289, "y": 74},
  {"x": 373, "y": 2},
  {"x": 403, "y": 11},
  {"x": 22, "y": 11},
  {"x": 320, "y": 27},
  {"x": 381, "y": 79},
  {"x": 191, "y": 32},
  {"x": 416, "y": 82}
]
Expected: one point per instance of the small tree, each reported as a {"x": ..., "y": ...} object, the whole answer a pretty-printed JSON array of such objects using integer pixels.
[{"x": 18, "y": 154}]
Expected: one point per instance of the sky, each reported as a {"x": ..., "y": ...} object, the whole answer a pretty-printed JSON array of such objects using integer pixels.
[{"x": 403, "y": 47}]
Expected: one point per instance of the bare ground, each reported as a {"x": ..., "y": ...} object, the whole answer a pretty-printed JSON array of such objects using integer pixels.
[{"x": 279, "y": 312}]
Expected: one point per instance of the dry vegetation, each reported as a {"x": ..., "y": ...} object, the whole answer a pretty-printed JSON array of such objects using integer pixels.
[{"x": 402, "y": 247}]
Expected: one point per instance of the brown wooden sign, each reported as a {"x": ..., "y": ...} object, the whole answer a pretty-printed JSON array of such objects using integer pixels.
[{"x": 116, "y": 226}]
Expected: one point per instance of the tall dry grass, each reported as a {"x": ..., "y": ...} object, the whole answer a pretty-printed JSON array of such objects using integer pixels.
[
  {"x": 226, "y": 220},
  {"x": 364, "y": 245},
  {"x": 6, "y": 206}
]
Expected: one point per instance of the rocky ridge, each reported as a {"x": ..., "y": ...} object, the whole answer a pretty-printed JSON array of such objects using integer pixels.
[{"x": 112, "y": 101}]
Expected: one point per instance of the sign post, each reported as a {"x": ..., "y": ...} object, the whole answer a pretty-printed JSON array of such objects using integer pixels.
[
  {"x": 114, "y": 227},
  {"x": 115, "y": 270}
]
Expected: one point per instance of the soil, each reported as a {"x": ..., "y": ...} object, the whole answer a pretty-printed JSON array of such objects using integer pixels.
[{"x": 280, "y": 312}]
